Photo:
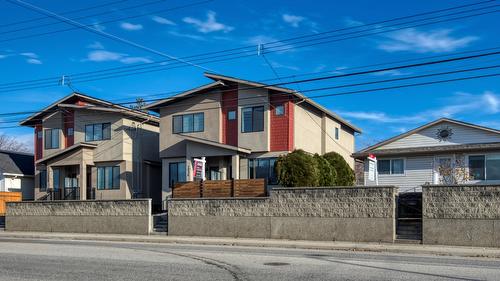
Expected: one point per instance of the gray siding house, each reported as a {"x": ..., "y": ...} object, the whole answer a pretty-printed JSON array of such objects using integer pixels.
[{"x": 445, "y": 151}]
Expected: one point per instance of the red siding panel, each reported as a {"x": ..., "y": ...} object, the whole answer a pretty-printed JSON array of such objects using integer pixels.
[
  {"x": 229, "y": 127},
  {"x": 38, "y": 142},
  {"x": 281, "y": 127},
  {"x": 69, "y": 123}
]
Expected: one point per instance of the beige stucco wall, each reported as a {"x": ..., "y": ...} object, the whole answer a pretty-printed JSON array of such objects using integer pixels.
[
  {"x": 256, "y": 141},
  {"x": 171, "y": 144},
  {"x": 314, "y": 132}
]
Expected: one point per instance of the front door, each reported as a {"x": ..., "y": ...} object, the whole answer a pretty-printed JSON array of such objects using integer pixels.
[{"x": 444, "y": 170}]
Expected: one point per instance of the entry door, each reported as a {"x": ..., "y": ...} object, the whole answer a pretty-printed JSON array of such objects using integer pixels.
[{"x": 444, "y": 170}]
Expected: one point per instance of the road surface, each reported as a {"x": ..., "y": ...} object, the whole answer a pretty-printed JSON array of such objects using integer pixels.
[{"x": 27, "y": 259}]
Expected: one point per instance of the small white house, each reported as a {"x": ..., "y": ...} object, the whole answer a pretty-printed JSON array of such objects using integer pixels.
[
  {"x": 445, "y": 151},
  {"x": 17, "y": 173}
]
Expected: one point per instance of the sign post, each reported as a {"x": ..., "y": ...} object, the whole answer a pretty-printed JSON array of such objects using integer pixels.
[
  {"x": 199, "y": 168},
  {"x": 372, "y": 169}
]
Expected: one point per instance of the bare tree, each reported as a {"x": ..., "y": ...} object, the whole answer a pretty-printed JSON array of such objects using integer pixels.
[
  {"x": 453, "y": 172},
  {"x": 140, "y": 103},
  {"x": 12, "y": 144}
]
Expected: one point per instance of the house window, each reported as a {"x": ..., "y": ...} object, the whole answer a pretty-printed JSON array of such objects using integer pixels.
[
  {"x": 263, "y": 168},
  {"x": 188, "y": 123},
  {"x": 51, "y": 138},
  {"x": 390, "y": 167},
  {"x": 484, "y": 167},
  {"x": 177, "y": 173},
  {"x": 279, "y": 110},
  {"x": 231, "y": 115},
  {"x": 108, "y": 177},
  {"x": 477, "y": 167},
  {"x": 98, "y": 132},
  {"x": 253, "y": 119},
  {"x": 70, "y": 131},
  {"x": 337, "y": 133},
  {"x": 42, "y": 177},
  {"x": 55, "y": 178}
]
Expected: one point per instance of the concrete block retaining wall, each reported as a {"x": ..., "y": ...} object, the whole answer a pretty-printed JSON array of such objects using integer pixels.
[
  {"x": 102, "y": 216},
  {"x": 326, "y": 214},
  {"x": 461, "y": 215}
]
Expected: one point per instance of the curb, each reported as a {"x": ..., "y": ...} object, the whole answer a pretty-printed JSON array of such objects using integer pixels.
[{"x": 456, "y": 251}]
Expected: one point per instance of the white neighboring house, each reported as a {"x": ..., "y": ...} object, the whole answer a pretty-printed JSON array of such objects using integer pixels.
[
  {"x": 17, "y": 173},
  {"x": 445, "y": 151}
]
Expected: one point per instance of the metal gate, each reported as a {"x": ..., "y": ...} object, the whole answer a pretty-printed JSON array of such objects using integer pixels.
[{"x": 409, "y": 216}]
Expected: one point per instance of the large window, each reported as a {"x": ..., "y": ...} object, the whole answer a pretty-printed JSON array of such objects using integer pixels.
[
  {"x": 177, "y": 173},
  {"x": 252, "y": 119},
  {"x": 263, "y": 168},
  {"x": 97, "y": 132},
  {"x": 484, "y": 167},
  {"x": 56, "y": 175},
  {"x": 108, "y": 177},
  {"x": 42, "y": 177},
  {"x": 391, "y": 167},
  {"x": 51, "y": 138},
  {"x": 188, "y": 123}
]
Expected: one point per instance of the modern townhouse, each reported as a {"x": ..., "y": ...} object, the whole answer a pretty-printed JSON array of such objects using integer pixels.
[
  {"x": 241, "y": 127},
  {"x": 88, "y": 148},
  {"x": 444, "y": 151}
]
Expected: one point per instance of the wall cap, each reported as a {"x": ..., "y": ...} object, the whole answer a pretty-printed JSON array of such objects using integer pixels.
[
  {"x": 78, "y": 201},
  {"x": 460, "y": 185},
  {"x": 218, "y": 198},
  {"x": 333, "y": 187}
]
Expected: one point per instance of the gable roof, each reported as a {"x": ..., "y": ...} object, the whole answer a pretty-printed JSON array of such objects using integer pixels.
[
  {"x": 219, "y": 81},
  {"x": 20, "y": 163},
  {"x": 78, "y": 100},
  {"x": 416, "y": 130}
]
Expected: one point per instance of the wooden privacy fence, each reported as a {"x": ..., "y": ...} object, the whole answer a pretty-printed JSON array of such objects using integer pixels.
[
  {"x": 8, "y": 197},
  {"x": 220, "y": 189}
]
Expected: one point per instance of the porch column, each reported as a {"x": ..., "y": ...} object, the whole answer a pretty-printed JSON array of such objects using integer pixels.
[
  {"x": 82, "y": 183},
  {"x": 235, "y": 163}
]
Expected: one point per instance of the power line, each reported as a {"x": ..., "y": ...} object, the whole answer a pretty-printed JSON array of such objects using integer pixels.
[
  {"x": 99, "y": 32},
  {"x": 64, "y": 13},
  {"x": 43, "y": 82}
]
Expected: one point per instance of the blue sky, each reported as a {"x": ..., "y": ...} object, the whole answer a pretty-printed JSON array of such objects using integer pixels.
[{"x": 222, "y": 24}]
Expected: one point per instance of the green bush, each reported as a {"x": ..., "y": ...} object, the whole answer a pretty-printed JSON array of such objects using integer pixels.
[
  {"x": 296, "y": 169},
  {"x": 327, "y": 174},
  {"x": 345, "y": 175}
]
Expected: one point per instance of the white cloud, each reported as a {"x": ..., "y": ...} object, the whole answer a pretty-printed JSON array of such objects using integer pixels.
[
  {"x": 29, "y": 55},
  {"x": 293, "y": 20},
  {"x": 279, "y": 65},
  {"x": 186, "y": 35},
  {"x": 130, "y": 26},
  {"x": 210, "y": 25},
  {"x": 96, "y": 45},
  {"x": 162, "y": 20},
  {"x": 393, "y": 72},
  {"x": 103, "y": 56},
  {"x": 424, "y": 42},
  {"x": 98, "y": 26},
  {"x": 487, "y": 103},
  {"x": 34, "y": 61},
  {"x": 3, "y": 56},
  {"x": 350, "y": 22}
]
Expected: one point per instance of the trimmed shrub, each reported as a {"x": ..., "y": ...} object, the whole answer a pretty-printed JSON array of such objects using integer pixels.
[
  {"x": 345, "y": 175},
  {"x": 327, "y": 174},
  {"x": 297, "y": 169}
]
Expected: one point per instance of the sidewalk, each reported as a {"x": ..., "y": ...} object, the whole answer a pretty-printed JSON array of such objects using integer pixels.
[{"x": 245, "y": 242}]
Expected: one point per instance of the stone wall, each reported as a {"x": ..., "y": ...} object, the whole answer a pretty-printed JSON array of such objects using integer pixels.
[
  {"x": 101, "y": 216},
  {"x": 328, "y": 214},
  {"x": 461, "y": 215}
]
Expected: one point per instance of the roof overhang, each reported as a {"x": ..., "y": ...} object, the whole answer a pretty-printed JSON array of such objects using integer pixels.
[
  {"x": 429, "y": 150},
  {"x": 217, "y": 144},
  {"x": 94, "y": 104}
]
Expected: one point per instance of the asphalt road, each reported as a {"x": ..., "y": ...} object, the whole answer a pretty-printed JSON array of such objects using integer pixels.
[{"x": 26, "y": 259}]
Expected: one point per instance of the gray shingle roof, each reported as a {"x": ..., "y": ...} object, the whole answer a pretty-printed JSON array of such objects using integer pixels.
[{"x": 17, "y": 163}]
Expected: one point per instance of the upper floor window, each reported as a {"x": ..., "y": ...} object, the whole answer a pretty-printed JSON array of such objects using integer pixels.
[
  {"x": 231, "y": 115},
  {"x": 337, "y": 135},
  {"x": 70, "y": 131},
  {"x": 188, "y": 123},
  {"x": 391, "y": 167},
  {"x": 483, "y": 167},
  {"x": 252, "y": 119},
  {"x": 279, "y": 110},
  {"x": 51, "y": 138},
  {"x": 97, "y": 132}
]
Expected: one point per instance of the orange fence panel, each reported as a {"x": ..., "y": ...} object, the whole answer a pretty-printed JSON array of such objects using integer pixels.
[
  {"x": 220, "y": 189},
  {"x": 8, "y": 197}
]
